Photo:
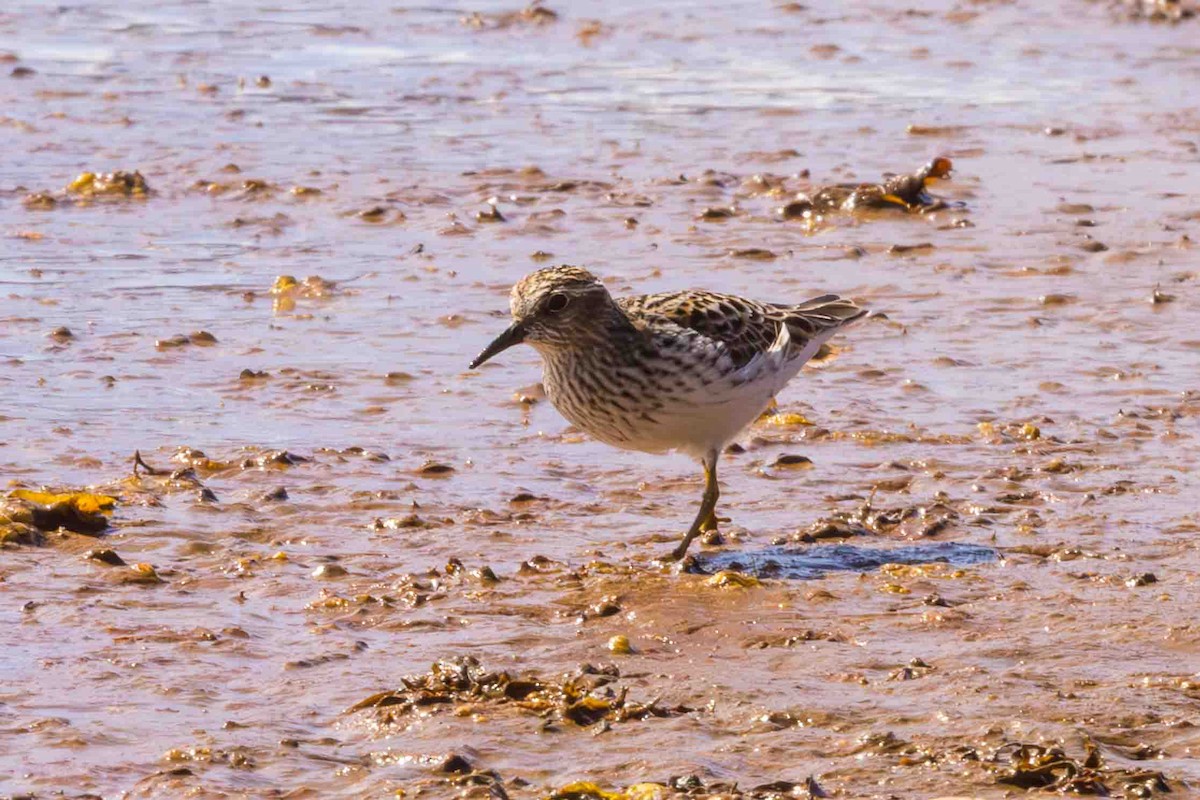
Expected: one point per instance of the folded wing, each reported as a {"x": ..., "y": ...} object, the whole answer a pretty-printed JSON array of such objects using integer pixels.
[{"x": 749, "y": 330}]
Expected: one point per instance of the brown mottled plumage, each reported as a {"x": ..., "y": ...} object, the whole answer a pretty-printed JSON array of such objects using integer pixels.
[
  {"x": 674, "y": 371},
  {"x": 746, "y": 327}
]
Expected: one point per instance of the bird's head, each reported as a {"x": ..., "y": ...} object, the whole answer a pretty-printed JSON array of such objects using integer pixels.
[{"x": 552, "y": 309}]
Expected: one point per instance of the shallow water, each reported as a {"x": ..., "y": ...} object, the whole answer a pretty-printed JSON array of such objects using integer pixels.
[{"x": 1054, "y": 115}]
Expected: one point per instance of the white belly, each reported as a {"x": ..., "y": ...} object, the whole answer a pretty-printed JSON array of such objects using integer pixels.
[{"x": 697, "y": 418}]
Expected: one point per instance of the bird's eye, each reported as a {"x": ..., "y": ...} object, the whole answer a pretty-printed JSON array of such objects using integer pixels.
[{"x": 556, "y": 303}]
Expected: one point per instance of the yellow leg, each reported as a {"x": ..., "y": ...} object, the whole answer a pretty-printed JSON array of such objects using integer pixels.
[{"x": 707, "y": 518}]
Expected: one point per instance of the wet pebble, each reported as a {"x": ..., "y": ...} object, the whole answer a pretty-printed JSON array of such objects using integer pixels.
[
  {"x": 105, "y": 556},
  {"x": 485, "y": 575},
  {"x": 797, "y": 209},
  {"x": 456, "y": 764},
  {"x": 373, "y": 214},
  {"x": 1055, "y": 299},
  {"x": 754, "y": 254},
  {"x": 902, "y": 249},
  {"x": 142, "y": 574},
  {"x": 620, "y": 645},
  {"x": 717, "y": 213},
  {"x": 607, "y": 607},
  {"x": 201, "y": 338},
  {"x": 492, "y": 214},
  {"x": 329, "y": 572},
  {"x": 793, "y": 461},
  {"x": 1159, "y": 297}
]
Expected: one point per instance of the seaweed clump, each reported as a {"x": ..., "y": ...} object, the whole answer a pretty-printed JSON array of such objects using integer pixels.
[
  {"x": 907, "y": 192},
  {"x": 109, "y": 184},
  {"x": 25, "y": 514},
  {"x": 691, "y": 786},
  {"x": 1159, "y": 10},
  {"x": 1049, "y": 768},
  {"x": 88, "y": 186},
  {"x": 583, "y": 698},
  {"x": 866, "y": 520}
]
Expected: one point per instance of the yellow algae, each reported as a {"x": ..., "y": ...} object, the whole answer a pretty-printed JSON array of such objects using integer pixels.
[
  {"x": 585, "y": 790},
  {"x": 80, "y": 512},
  {"x": 329, "y": 603},
  {"x": 312, "y": 286},
  {"x": 284, "y": 283},
  {"x": 729, "y": 578},
  {"x": 122, "y": 184},
  {"x": 1002, "y": 432},
  {"x": 83, "y": 502},
  {"x": 934, "y": 570},
  {"x": 142, "y": 573},
  {"x": 786, "y": 420},
  {"x": 646, "y": 791},
  {"x": 83, "y": 183}
]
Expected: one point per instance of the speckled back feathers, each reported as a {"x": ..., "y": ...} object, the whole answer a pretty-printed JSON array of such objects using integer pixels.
[{"x": 746, "y": 327}]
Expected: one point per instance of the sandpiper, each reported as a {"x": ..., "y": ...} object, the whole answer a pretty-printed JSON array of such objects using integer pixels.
[{"x": 682, "y": 371}]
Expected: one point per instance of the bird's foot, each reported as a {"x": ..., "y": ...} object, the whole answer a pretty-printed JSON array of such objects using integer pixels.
[
  {"x": 683, "y": 562},
  {"x": 675, "y": 555}
]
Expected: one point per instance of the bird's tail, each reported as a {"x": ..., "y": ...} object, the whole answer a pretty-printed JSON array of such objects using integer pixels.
[
  {"x": 821, "y": 314},
  {"x": 811, "y": 324}
]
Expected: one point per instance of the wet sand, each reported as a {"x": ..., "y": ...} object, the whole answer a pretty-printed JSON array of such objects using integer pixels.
[{"x": 995, "y": 544}]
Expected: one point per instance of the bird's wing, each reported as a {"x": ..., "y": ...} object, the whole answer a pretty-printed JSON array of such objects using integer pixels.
[{"x": 746, "y": 328}]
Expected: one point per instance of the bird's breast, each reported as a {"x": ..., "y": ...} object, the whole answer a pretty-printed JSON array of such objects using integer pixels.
[{"x": 653, "y": 402}]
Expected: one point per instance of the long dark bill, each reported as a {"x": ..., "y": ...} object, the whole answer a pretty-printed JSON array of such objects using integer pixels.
[{"x": 513, "y": 336}]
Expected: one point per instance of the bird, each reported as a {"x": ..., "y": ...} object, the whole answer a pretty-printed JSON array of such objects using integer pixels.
[{"x": 684, "y": 370}]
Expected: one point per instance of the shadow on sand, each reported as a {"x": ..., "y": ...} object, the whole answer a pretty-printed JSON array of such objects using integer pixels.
[{"x": 805, "y": 563}]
